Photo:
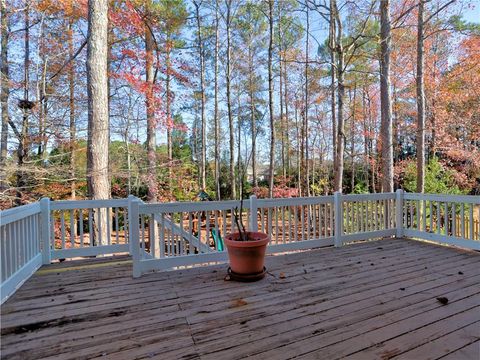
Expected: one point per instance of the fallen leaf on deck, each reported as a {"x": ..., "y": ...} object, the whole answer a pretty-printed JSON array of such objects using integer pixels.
[
  {"x": 442, "y": 300},
  {"x": 238, "y": 303}
]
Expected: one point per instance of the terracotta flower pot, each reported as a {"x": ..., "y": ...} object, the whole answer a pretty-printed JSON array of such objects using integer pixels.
[{"x": 247, "y": 257}]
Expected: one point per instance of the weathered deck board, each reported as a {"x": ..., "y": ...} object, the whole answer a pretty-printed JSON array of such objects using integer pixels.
[{"x": 364, "y": 301}]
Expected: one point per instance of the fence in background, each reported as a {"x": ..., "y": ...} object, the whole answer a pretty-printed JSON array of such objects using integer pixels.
[{"x": 167, "y": 235}]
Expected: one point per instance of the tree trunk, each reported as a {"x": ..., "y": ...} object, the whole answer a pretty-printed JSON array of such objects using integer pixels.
[
  {"x": 229, "y": 103},
  {"x": 306, "y": 131},
  {"x": 333, "y": 79},
  {"x": 280, "y": 95},
  {"x": 152, "y": 189},
  {"x": 203, "y": 158},
  {"x": 385, "y": 98},
  {"x": 98, "y": 117},
  {"x": 5, "y": 88},
  {"x": 286, "y": 129},
  {"x": 22, "y": 143},
  {"x": 169, "y": 115},
  {"x": 420, "y": 134},
  {"x": 215, "y": 115},
  {"x": 252, "y": 116},
  {"x": 340, "y": 145},
  {"x": 71, "y": 86},
  {"x": 271, "y": 166}
]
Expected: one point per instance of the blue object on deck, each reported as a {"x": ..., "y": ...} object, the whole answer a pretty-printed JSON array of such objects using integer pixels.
[{"x": 218, "y": 240}]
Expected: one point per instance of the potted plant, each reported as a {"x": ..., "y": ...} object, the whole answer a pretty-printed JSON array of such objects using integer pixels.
[{"x": 246, "y": 251}]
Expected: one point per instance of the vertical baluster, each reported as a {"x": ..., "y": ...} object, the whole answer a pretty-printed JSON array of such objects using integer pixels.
[
  {"x": 424, "y": 215},
  {"x": 362, "y": 212},
  {"x": 295, "y": 235},
  {"x": 262, "y": 224},
  {"x": 80, "y": 215},
  {"x": 289, "y": 224},
  {"x": 52, "y": 230},
  {"x": 346, "y": 225},
  {"x": 447, "y": 215},
  {"x": 307, "y": 222},
  {"x": 314, "y": 207},
  {"x": 21, "y": 242},
  {"x": 302, "y": 223},
  {"x": 390, "y": 213},
  {"x": 161, "y": 234},
  {"x": 14, "y": 252},
  {"x": 366, "y": 217},
  {"x": 270, "y": 220},
  {"x": 326, "y": 218},
  {"x": 462, "y": 219},
  {"x": 439, "y": 214},
  {"x": 470, "y": 223},
  {"x": 173, "y": 235},
  {"x": 410, "y": 204},
  {"x": 454, "y": 220},
  {"x": 3, "y": 252},
  {"x": 275, "y": 209},
  {"x": 7, "y": 249},
  {"x": 216, "y": 228},
  {"x": 152, "y": 232},
  {"x": 117, "y": 240},
  {"x": 126, "y": 225},
  {"x": 350, "y": 207},
  {"x": 72, "y": 228},
  {"x": 417, "y": 214},
  {"x": 109, "y": 225},
  {"x": 142, "y": 242},
  {"x": 207, "y": 235},
  {"x": 29, "y": 239},
  {"x": 320, "y": 221},
  {"x": 62, "y": 227},
  {"x": 224, "y": 216},
  {"x": 100, "y": 227},
  {"x": 331, "y": 219},
  {"x": 34, "y": 237},
  {"x": 478, "y": 223},
  {"x": 431, "y": 216}
]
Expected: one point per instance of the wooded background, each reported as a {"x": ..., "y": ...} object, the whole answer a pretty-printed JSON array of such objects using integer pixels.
[{"x": 164, "y": 98}]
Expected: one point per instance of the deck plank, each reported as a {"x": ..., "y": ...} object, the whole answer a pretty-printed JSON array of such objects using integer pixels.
[{"x": 360, "y": 300}]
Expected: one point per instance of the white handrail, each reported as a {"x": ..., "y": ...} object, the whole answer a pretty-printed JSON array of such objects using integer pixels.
[{"x": 163, "y": 235}]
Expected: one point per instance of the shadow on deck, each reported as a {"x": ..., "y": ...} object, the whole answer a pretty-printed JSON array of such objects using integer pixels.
[{"x": 375, "y": 300}]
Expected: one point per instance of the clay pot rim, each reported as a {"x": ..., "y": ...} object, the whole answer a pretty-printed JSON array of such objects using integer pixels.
[{"x": 265, "y": 239}]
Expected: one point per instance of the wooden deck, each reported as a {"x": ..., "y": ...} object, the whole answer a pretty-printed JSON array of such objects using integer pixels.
[{"x": 375, "y": 300}]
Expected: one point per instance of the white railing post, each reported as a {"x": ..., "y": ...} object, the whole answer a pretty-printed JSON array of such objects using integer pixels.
[
  {"x": 338, "y": 219},
  {"x": 134, "y": 233},
  {"x": 399, "y": 213},
  {"x": 253, "y": 213},
  {"x": 45, "y": 230}
]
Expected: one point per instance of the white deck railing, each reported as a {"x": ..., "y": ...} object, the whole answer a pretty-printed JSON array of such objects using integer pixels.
[
  {"x": 446, "y": 219},
  {"x": 87, "y": 227},
  {"x": 20, "y": 251},
  {"x": 167, "y": 235}
]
